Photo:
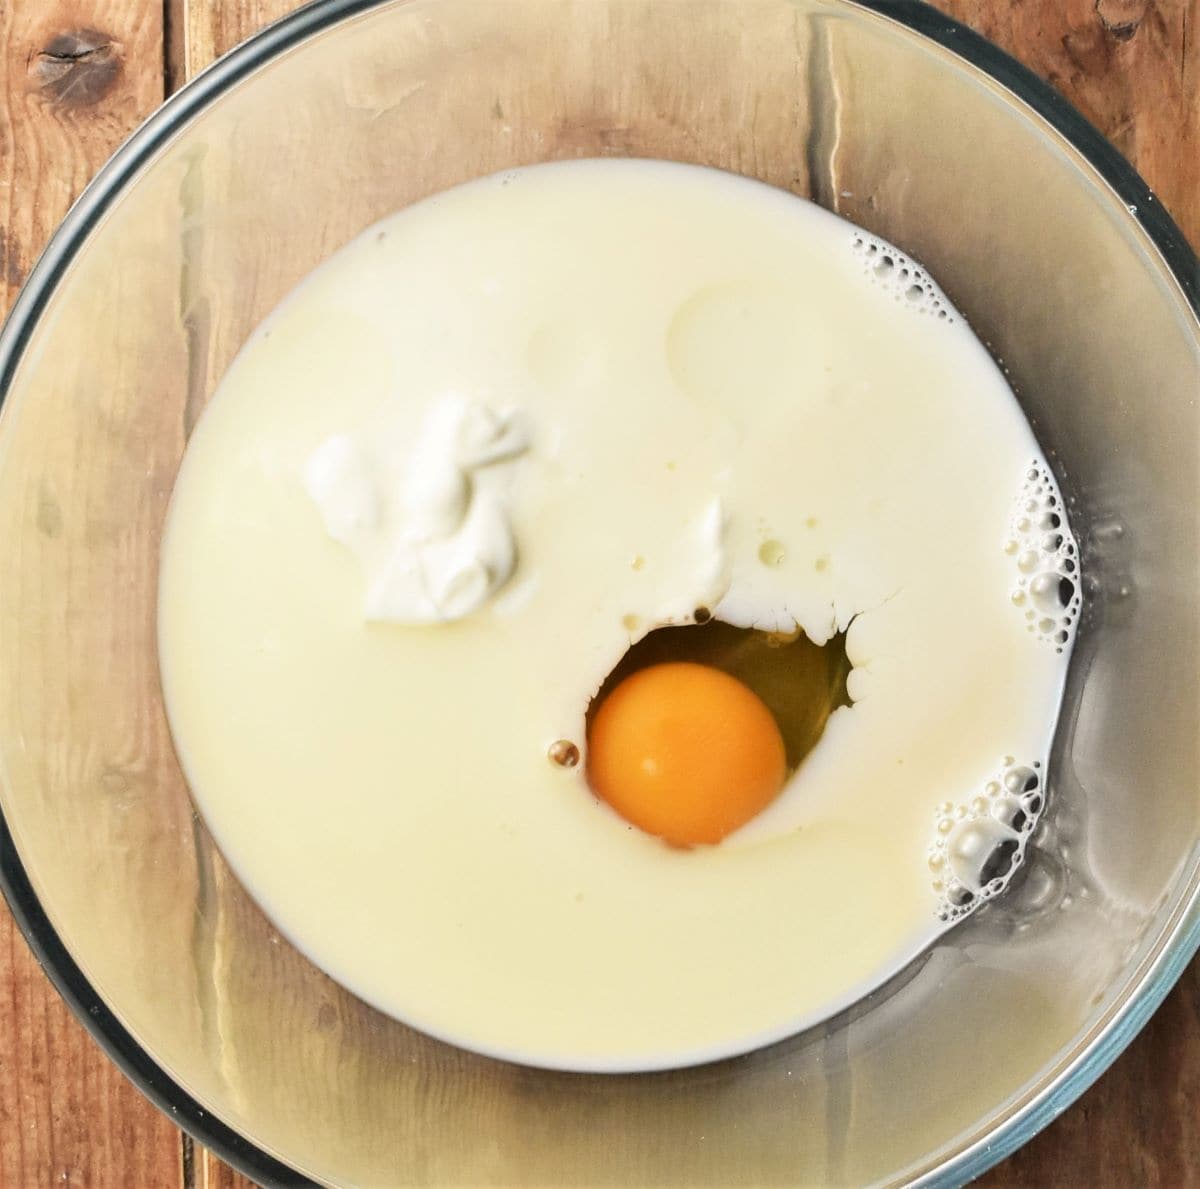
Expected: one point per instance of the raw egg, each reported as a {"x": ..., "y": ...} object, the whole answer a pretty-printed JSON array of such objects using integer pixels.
[{"x": 685, "y": 752}]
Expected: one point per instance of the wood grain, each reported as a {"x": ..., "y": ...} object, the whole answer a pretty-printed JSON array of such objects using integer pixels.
[
  {"x": 207, "y": 30},
  {"x": 77, "y": 76},
  {"x": 67, "y": 1115},
  {"x": 213, "y": 1173},
  {"x": 1132, "y": 67}
]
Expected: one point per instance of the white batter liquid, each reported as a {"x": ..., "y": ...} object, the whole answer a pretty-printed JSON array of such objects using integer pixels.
[{"x": 726, "y": 397}]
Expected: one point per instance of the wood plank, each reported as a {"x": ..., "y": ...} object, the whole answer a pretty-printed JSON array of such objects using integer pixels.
[
  {"x": 206, "y": 30},
  {"x": 67, "y": 1114},
  {"x": 75, "y": 77},
  {"x": 1132, "y": 67},
  {"x": 199, "y": 33},
  {"x": 214, "y": 1173},
  {"x": 78, "y": 76}
]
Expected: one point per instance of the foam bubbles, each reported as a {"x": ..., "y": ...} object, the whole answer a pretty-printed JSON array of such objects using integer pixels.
[
  {"x": 979, "y": 843},
  {"x": 901, "y": 276},
  {"x": 1046, "y": 587}
]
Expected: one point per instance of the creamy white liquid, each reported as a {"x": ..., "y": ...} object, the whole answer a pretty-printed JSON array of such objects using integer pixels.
[{"x": 727, "y": 398}]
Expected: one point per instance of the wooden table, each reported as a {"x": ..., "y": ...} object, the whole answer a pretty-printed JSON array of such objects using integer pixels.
[{"x": 75, "y": 78}]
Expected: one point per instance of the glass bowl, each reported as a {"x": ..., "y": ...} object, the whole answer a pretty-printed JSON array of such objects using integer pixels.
[{"x": 887, "y": 112}]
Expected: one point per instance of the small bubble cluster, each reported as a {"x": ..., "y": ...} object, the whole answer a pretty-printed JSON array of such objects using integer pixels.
[
  {"x": 979, "y": 843},
  {"x": 1047, "y": 585},
  {"x": 907, "y": 281}
]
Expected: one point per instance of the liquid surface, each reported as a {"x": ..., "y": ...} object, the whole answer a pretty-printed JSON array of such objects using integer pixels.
[{"x": 669, "y": 390}]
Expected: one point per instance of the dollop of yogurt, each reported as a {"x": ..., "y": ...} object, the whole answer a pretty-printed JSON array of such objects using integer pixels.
[{"x": 432, "y": 530}]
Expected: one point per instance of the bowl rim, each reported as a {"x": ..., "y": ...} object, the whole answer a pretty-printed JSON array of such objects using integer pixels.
[{"x": 1161, "y": 970}]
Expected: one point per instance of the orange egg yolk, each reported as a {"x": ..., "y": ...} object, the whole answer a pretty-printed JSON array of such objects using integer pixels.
[{"x": 686, "y": 752}]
